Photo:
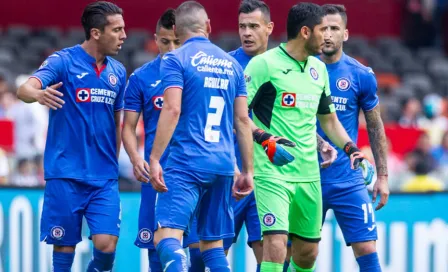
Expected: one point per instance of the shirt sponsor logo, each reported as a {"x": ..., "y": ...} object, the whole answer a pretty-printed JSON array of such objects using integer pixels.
[
  {"x": 343, "y": 84},
  {"x": 95, "y": 95},
  {"x": 288, "y": 99},
  {"x": 210, "y": 64},
  {"x": 339, "y": 103},
  {"x": 314, "y": 73}
]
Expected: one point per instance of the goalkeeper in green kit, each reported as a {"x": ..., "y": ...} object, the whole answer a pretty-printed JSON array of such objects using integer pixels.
[{"x": 287, "y": 88}]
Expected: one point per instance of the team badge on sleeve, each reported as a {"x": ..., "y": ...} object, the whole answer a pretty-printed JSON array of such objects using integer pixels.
[
  {"x": 57, "y": 232},
  {"x": 288, "y": 99},
  {"x": 247, "y": 78},
  {"x": 145, "y": 236},
  {"x": 157, "y": 101},
  {"x": 343, "y": 84},
  {"x": 314, "y": 73},
  {"x": 45, "y": 63},
  {"x": 269, "y": 219},
  {"x": 83, "y": 95},
  {"x": 113, "y": 79}
]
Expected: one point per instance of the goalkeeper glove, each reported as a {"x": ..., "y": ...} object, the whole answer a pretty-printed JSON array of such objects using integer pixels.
[
  {"x": 272, "y": 146},
  {"x": 367, "y": 171}
]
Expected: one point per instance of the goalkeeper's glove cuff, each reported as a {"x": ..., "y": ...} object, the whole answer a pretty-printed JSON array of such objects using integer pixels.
[
  {"x": 350, "y": 148},
  {"x": 260, "y": 136}
]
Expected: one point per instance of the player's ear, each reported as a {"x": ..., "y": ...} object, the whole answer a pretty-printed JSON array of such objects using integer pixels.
[
  {"x": 155, "y": 37},
  {"x": 345, "y": 35},
  {"x": 95, "y": 33},
  {"x": 209, "y": 26},
  {"x": 305, "y": 32},
  {"x": 270, "y": 28}
]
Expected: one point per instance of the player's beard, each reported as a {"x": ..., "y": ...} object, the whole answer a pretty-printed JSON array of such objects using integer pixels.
[
  {"x": 332, "y": 50},
  {"x": 313, "y": 47}
]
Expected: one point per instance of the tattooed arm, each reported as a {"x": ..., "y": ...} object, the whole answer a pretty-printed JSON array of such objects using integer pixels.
[{"x": 378, "y": 142}]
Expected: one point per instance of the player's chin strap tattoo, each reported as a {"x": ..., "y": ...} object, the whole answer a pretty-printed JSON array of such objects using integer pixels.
[{"x": 356, "y": 156}]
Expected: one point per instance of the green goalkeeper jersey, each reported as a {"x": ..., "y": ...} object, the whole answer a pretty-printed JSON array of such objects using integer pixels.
[{"x": 285, "y": 95}]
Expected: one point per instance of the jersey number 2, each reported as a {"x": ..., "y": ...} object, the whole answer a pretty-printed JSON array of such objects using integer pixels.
[{"x": 214, "y": 119}]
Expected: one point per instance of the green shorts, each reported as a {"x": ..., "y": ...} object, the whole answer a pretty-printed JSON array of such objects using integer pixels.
[{"x": 290, "y": 208}]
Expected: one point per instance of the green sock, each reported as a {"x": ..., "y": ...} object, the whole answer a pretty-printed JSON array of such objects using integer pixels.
[
  {"x": 295, "y": 268},
  {"x": 271, "y": 267}
]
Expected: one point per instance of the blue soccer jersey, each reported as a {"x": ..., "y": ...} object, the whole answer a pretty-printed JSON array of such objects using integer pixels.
[
  {"x": 211, "y": 80},
  {"x": 353, "y": 87},
  {"x": 81, "y": 140},
  {"x": 144, "y": 93}
]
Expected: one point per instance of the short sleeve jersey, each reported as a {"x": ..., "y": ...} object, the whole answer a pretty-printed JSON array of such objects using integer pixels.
[
  {"x": 353, "y": 88},
  {"x": 81, "y": 140},
  {"x": 210, "y": 80},
  {"x": 285, "y": 96}
]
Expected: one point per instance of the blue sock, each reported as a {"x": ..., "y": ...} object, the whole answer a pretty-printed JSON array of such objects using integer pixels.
[
  {"x": 62, "y": 262},
  {"x": 285, "y": 266},
  {"x": 197, "y": 264},
  {"x": 215, "y": 260},
  {"x": 369, "y": 263},
  {"x": 258, "y": 267},
  {"x": 172, "y": 256},
  {"x": 101, "y": 261},
  {"x": 154, "y": 261}
]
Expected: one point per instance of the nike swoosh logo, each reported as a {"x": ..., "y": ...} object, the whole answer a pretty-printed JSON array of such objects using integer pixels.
[
  {"x": 82, "y": 75},
  {"x": 168, "y": 264},
  {"x": 372, "y": 228},
  {"x": 156, "y": 83},
  {"x": 287, "y": 71}
]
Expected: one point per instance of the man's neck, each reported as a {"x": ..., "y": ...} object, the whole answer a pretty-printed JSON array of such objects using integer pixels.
[
  {"x": 296, "y": 49},
  {"x": 92, "y": 49},
  {"x": 330, "y": 59},
  {"x": 190, "y": 35},
  {"x": 260, "y": 51}
]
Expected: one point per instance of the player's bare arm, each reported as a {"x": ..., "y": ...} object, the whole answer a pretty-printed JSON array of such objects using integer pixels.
[
  {"x": 169, "y": 117},
  {"x": 378, "y": 142},
  {"x": 327, "y": 152},
  {"x": 31, "y": 91},
  {"x": 140, "y": 166},
  {"x": 243, "y": 186}
]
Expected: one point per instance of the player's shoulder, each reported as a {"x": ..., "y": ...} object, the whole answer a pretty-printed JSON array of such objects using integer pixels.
[
  {"x": 235, "y": 52},
  {"x": 316, "y": 62},
  {"x": 116, "y": 64},
  {"x": 357, "y": 66},
  {"x": 147, "y": 71}
]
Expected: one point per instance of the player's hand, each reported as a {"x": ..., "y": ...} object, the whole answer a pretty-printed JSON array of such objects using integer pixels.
[
  {"x": 328, "y": 154},
  {"x": 273, "y": 147},
  {"x": 156, "y": 174},
  {"x": 141, "y": 169},
  {"x": 50, "y": 97},
  {"x": 356, "y": 156},
  {"x": 236, "y": 174},
  {"x": 243, "y": 186},
  {"x": 382, "y": 187},
  {"x": 367, "y": 171}
]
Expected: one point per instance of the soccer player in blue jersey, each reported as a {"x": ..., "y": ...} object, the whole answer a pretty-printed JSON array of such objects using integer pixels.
[
  {"x": 144, "y": 93},
  {"x": 353, "y": 87},
  {"x": 83, "y": 87},
  {"x": 254, "y": 27},
  {"x": 204, "y": 100}
]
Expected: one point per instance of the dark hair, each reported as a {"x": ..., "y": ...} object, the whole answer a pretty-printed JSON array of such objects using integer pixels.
[
  {"x": 249, "y": 6},
  {"x": 303, "y": 14},
  {"x": 332, "y": 9},
  {"x": 95, "y": 15},
  {"x": 167, "y": 20}
]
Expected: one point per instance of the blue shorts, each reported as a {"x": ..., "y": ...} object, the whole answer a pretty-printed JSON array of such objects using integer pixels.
[
  {"x": 192, "y": 193},
  {"x": 192, "y": 237},
  {"x": 146, "y": 223},
  {"x": 245, "y": 211},
  {"x": 66, "y": 201},
  {"x": 352, "y": 207}
]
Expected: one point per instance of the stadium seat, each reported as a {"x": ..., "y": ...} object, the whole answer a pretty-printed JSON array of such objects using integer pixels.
[
  {"x": 6, "y": 57},
  {"x": 75, "y": 33},
  {"x": 140, "y": 58},
  {"x": 18, "y": 31},
  {"x": 387, "y": 80},
  {"x": 53, "y": 34},
  {"x": 438, "y": 68}
]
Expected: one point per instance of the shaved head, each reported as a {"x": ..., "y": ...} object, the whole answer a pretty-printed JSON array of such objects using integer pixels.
[{"x": 191, "y": 17}]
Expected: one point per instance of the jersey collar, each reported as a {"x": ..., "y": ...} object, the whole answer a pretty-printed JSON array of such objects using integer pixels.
[
  {"x": 86, "y": 56},
  {"x": 336, "y": 64},
  {"x": 197, "y": 39},
  {"x": 283, "y": 49}
]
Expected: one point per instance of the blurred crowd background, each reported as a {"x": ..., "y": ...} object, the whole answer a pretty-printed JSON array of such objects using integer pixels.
[{"x": 410, "y": 59}]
